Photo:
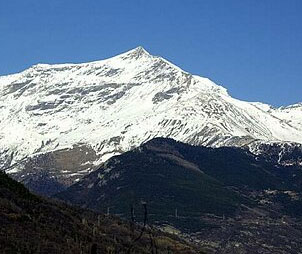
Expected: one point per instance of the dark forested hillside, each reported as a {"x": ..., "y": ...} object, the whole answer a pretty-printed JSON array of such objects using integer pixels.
[
  {"x": 171, "y": 175},
  {"x": 203, "y": 192},
  {"x": 31, "y": 224}
]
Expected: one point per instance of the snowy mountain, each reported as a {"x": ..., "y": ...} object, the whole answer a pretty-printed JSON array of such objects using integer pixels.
[{"x": 61, "y": 121}]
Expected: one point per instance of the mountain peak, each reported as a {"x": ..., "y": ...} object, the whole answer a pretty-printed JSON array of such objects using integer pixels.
[
  {"x": 140, "y": 50},
  {"x": 136, "y": 53}
]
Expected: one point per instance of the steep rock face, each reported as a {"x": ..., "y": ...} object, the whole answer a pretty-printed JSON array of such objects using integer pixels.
[{"x": 113, "y": 105}]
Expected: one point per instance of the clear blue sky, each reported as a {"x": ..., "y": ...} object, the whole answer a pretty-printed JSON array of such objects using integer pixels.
[{"x": 251, "y": 47}]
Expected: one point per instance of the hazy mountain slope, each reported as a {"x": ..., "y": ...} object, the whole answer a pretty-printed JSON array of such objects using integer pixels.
[
  {"x": 30, "y": 224},
  {"x": 98, "y": 109}
]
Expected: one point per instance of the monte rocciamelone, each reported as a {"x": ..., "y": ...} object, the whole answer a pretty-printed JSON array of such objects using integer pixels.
[{"x": 59, "y": 122}]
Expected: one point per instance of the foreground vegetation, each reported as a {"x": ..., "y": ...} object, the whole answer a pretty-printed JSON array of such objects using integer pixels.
[{"x": 31, "y": 224}]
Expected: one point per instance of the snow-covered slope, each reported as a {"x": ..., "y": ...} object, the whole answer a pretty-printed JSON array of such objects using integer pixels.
[{"x": 112, "y": 105}]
